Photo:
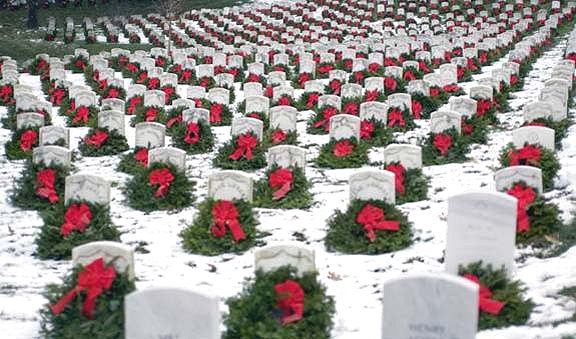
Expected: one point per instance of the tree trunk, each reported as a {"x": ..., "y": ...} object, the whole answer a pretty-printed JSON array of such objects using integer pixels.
[{"x": 32, "y": 21}]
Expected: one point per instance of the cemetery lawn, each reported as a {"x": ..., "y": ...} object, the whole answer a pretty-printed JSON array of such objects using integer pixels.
[{"x": 21, "y": 43}]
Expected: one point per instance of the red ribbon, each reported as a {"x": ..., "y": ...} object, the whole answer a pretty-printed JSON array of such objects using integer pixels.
[
  {"x": 416, "y": 109},
  {"x": 399, "y": 173},
  {"x": 395, "y": 118},
  {"x": 245, "y": 144},
  {"x": 390, "y": 84},
  {"x": 28, "y": 139},
  {"x": 57, "y": 96},
  {"x": 485, "y": 303},
  {"x": 132, "y": 103},
  {"x": 483, "y": 106},
  {"x": 162, "y": 177},
  {"x": 408, "y": 76},
  {"x": 253, "y": 78},
  {"x": 281, "y": 181},
  {"x": 371, "y": 95},
  {"x": 366, "y": 129},
  {"x": 451, "y": 88},
  {"x": 527, "y": 155},
  {"x": 312, "y": 100},
  {"x": 434, "y": 92},
  {"x": 94, "y": 280},
  {"x": 372, "y": 218},
  {"x": 335, "y": 86},
  {"x": 442, "y": 142},
  {"x": 342, "y": 149},
  {"x": 153, "y": 83},
  {"x": 80, "y": 64},
  {"x": 216, "y": 113},
  {"x": 142, "y": 156},
  {"x": 225, "y": 214},
  {"x": 525, "y": 196},
  {"x": 358, "y": 77},
  {"x": 174, "y": 120},
  {"x": 303, "y": 78},
  {"x": 278, "y": 136},
  {"x": 351, "y": 108},
  {"x": 269, "y": 92},
  {"x": 151, "y": 114},
  {"x": 76, "y": 218},
  {"x": 327, "y": 113},
  {"x": 168, "y": 92},
  {"x": 422, "y": 65},
  {"x": 82, "y": 114},
  {"x": 96, "y": 139},
  {"x": 6, "y": 93},
  {"x": 284, "y": 101},
  {"x": 192, "y": 133},
  {"x": 46, "y": 184},
  {"x": 290, "y": 300},
  {"x": 185, "y": 76},
  {"x": 113, "y": 93}
]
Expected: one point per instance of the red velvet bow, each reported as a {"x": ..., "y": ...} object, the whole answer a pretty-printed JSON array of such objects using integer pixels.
[
  {"x": 153, "y": 83},
  {"x": 151, "y": 114},
  {"x": 390, "y": 62},
  {"x": 408, "y": 76},
  {"x": 373, "y": 67},
  {"x": 132, "y": 103},
  {"x": 253, "y": 78},
  {"x": 6, "y": 93},
  {"x": 82, "y": 115},
  {"x": 486, "y": 304},
  {"x": 290, "y": 300},
  {"x": 366, "y": 129},
  {"x": 103, "y": 84},
  {"x": 303, "y": 78},
  {"x": 371, "y": 95},
  {"x": 312, "y": 100},
  {"x": 96, "y": 139},
  {"x": 57, "y": 96},
  {"x": 442, "y": 142},
  {"x": 46, "y": 185},
  {"x": 395, "y": 118},
  {"x": 451, "y": 88},
  {"x": 142, "y": 156},
  {"x": 28, "y": 139},
  {"x": 471, "y": 65},
  {"x": 358, "y": 77},
  {"x": 434, "y": 92},
  {"x": 399, "y": 173},
  {"x": 245, "y": 144},
  {"x": 168, "y": 92},
  {"x": 335, "y": 86},
  {"x": 527, "y": 155},
  {"x": 422, "y": 65},
  {"x": 284, "y": 101},
  {"x": 327, "y": 113},
  {"x": 372, "y": 218},
  {"x": 351, "y": 108},
  {"x": 281, "y": 181},
  {"x": 269, "y": 92},
  {"x": 174, "y": 120},
  {"x": 325, "y": 69},
  {"x": 162, "y": 177},
  {"x": 216, "y": 113},
  {"x": 76, "y": 218},
  {"x": 192, "y": 133},
  {"x": 483, "y": 106},
  {"x": 225, "y": 214},
  {"x": 185, "y": 76},
  {"x": 113, "y": 93},
  {"x": 343, "y": 148},
  {"x": 459, "y": 73},
  {"x": 80, "y": 64},
  {"x": 94, "y": 280},
  {"x": 416, "y": 109},
  {"x": 467, "y": 128},
  {"x": 278, "y": 136},
  {"x": 390, "y": 84},
  {"x": 525, "y": 196},
  {"x": 132, "y": 68}
]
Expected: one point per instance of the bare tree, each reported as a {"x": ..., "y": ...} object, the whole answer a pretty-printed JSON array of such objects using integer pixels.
[{"x": 171, "y": 10}]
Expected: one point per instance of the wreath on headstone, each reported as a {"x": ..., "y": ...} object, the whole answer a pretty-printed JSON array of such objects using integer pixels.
[
  {"x": 101, "y": 141},
  {"x": 22, "y": 143},
  {"x": 284, "y": 188},
  {"x": 134, "y": 162},
  {"x": 444, "y": 148},
  {"x": 410, "y": 184},
  {"x": 39, "y": 186},
  {"x": 344, "y": 153},
  {"x": 243, "y": 152},
  {"x": 532, "y": 155}
]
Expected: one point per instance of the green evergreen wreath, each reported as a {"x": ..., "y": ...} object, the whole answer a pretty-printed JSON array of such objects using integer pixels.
[
  {"x": 474, "y": 130},
  {"x": 50, "y": 244},
  {"x": 408, "y": 121},
  {"x": 428, "y": 104},
  {"x": 204, "y": 144},
  {"x": 357, "y": 158},
  {"x": 545, "y": 223},
  {"x": 516, "y": 310},
  {"x": 456, "y": 153},
  {"x": 130, "y": 165},
  {"x": 198, "y": 239},
  {"x": 415, "y": 186},
  {"x": 298, "y": 197},
  {"x": 560, "y": 127},
  {"x": 254, "y": 313},
  {"x": 317, "y": 117},
  {"x": 226, "y": 115},
  {"x": 115, "y": 143},
  {"x": 13, "y": 149},
  {"x": 301, "y": 104},
  {"x": 24, "y": 194},
  {"x": 141, "y": 195},
  {"x": 381, "y": 136},
  {"x": 345, "y": 235},
  {"x": 548, "y": 164},
  {"x": 92, "y": 118},
  {"x": 290, "y": 138},
  {"x": 140, "y": 115},
  {"x": 222, "y": 159},
  {"x": 9, "y": 121},
  {"x": 108, "y": 321}
]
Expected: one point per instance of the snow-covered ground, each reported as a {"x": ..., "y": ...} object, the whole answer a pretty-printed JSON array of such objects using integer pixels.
[{"x": 354, "y": 280}]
